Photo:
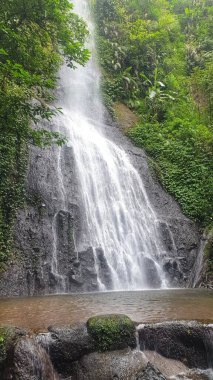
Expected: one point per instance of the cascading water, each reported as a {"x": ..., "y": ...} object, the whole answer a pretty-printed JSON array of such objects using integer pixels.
[{"x": 118, "y": 215}]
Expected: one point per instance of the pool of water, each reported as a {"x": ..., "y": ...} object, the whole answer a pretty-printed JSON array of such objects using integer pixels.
[{"x": 37, "y": 313}]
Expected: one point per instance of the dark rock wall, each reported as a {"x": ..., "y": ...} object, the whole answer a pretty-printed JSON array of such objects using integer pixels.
[
  {"x": 181, "y": 237},
  {"x": 53, "y": 219}
]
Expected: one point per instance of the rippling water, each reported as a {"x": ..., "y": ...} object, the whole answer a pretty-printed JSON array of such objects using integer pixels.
[{"x": 38, "y": 313}]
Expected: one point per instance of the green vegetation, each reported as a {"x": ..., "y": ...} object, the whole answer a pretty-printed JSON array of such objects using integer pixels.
[
  {"x": 35, "y": 37},
  {"x": 157, "y": 58},
  {"x": 8, "y": 336},
  {"x": 111, "y": 332}
]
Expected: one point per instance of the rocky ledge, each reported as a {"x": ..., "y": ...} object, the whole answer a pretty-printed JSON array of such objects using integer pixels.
[{"x": 108, "y": 347}]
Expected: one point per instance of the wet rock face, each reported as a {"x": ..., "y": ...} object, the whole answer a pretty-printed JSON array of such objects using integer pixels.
[
  {"x": 51, "y": 220},
  {"x": 114, "y": 365},
  {"x": 150, "y": 373},
  {"x": 152, "y": 278},
  {"x": 53, "y": 216},
  {"x": 67, "y": 344},
  {"x": 189, "y": 343},
  {"x": 8, "y": 338},
  {"x": 104, "y": 270},
  {"x": 180, "y": 236},
  {"x": 182, "y": 241},
  {"x": 30, "y": 362}
]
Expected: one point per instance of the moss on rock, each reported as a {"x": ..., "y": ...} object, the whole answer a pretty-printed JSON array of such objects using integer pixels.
[
  {"x": 8, "y": 338},
  {"x": 112, "y": 332},
  {"x": 6, "y": 335}
]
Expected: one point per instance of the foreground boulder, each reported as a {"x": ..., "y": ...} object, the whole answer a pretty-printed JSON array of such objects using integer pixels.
[
  {"x": 112, "y": 332},
  {"x": 190, "y": 343},
  {"x": 66, "y": 345},
  {"x": 8, "y": 338},
  {"x": 30, "y": 362},
  {"x": 115, "y": 365},
  {"x": 104, "y": 349},
  {"x": 122, "y": 365}
]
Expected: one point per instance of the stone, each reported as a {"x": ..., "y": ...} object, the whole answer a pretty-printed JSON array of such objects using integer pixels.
[
  {"x": 190, "y": 343},
  {"x": 103, "y": 268},
  {"x": 76, "y": 263},
  {"x": 150, "y": 373},
  {"x": 29, "y": 362},
  {"x": 8, "y": 337},
  {"x": 114, "y": 365},
  {"x": 171, "y": 267},
  {"x": 152, "y": 278},
  {"x": 112, "y": 332},
  {"x": 168, "y": 367},
  {"x": 67, "y": 344},
  {"x": 77, "y": 280},
  {"x": 70, "y": 352}
]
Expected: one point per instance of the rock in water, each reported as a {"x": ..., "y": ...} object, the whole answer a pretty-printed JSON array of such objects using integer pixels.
[
  {"x": 186, "y": 342},
  {"x": 8, "y": 338},
  {"x": 122, "y": 365},
  {"x": 152, "y": 277},
  {"x": 103, "y": 268},
  {"x": 112, "y": 332},
  {"x": 149, "y": 373},
  {"x": 115, "y": 365},
  {"x": 30, "y": 362},
  {"x": 66, "y": 345}
]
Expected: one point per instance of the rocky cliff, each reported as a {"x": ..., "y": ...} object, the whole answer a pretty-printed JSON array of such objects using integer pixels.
[{"x": 51, "y": 225}]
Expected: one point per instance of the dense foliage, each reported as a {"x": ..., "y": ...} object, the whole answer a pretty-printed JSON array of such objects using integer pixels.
[
  {"x": 157, "y": 57},
  {"x": 35, "y": 35}
]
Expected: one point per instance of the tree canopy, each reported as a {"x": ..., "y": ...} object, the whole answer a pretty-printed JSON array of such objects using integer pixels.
[
  {"x": 36, "y": 36},
  {"x": 157, "y": 58}
]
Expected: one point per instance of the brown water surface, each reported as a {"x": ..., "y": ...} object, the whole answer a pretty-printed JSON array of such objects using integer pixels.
[{"x": 37, "y": 313}]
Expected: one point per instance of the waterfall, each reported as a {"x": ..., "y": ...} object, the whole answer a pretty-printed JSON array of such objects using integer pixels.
[{"x": 118, "y": 216}]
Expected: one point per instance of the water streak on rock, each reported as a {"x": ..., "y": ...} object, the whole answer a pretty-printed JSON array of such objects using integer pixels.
[{"x": 118, "y": 216}]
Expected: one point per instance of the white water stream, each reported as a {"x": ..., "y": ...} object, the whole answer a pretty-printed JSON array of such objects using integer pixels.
[{"x": 118, "y": 215}]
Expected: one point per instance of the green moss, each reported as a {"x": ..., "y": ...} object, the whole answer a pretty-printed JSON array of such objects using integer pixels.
[
  {"x": 8, "y": 338},
  {"x": 111, "y": 332},
  {"x": 2, "y": 347},
  {"x": 12, "y": 174}
]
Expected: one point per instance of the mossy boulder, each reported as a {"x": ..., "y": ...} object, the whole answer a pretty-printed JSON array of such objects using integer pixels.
[
  {"x": 112, "y": 332},
  {"x": 8, "y": 338}
]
